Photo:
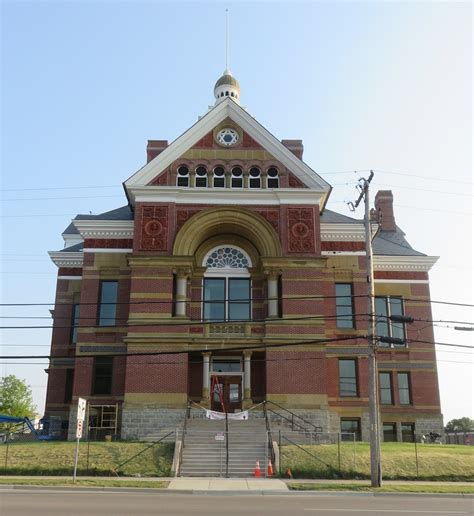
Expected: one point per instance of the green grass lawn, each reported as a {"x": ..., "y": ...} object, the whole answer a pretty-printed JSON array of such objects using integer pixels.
[
  {"x": 410, "y": 488},
  {"x": 83, "y": 482},
  {"x": 435, "y": 462},
  {"x": 95, "y": 458}
]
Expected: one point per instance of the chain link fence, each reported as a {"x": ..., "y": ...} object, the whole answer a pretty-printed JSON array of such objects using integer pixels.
[{"x": 331, "y": 455}]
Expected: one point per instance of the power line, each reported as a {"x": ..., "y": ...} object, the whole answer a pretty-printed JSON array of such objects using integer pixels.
[
  {"x": 207, "y": 349},
  {"x": 309, "y": 298},
  {"x": 283, "y": 298},
  {"x": 172, "y": 322}
]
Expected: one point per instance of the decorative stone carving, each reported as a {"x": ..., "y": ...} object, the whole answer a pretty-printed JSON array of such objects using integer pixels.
[
  {"x": 272, "y": 215},
  {"x": 301, "y": 230},
  {"x": 154, "y": 232},
  {"x": 183, "y": 214}
]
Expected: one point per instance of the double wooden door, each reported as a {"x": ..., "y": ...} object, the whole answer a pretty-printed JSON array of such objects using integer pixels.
[{"x": 226, "y": 393}]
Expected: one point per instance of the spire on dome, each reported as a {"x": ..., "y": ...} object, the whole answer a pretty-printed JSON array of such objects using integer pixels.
[{"x": 227, "y": 85}]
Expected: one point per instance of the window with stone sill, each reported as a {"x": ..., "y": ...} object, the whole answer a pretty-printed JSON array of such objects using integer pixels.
[
  {"x": 227, "y": 286},
  {"x": 384, "y": 308}
]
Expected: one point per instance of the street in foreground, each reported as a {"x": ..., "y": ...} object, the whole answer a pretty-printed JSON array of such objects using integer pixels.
[{"x": 74, "y": 503}]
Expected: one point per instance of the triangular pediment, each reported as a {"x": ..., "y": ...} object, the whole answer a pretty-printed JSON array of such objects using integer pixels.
[{"x": 198, "y": 135}]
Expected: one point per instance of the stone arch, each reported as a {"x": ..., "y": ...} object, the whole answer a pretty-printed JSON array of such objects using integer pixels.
[{"x": 227, "y": 220}]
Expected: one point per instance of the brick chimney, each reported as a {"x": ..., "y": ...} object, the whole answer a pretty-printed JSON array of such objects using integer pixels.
[
  {"x": 295, "y": 146},
  {"x": 154, "y": 148},
  {"x": 384, "y": 210}
]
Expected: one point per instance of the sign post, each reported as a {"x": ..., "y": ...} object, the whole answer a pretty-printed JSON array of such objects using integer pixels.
[{"x": 81, "y": 414}]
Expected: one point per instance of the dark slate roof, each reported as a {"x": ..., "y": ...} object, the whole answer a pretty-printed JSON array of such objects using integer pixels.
[
  {"x": 393, "y": 243},
  {"x": 71, "y": 230},
  {"x": 123, "y": 213},
  {"x": 76, "y": 248},
  {"x": 336, "y": 218}
]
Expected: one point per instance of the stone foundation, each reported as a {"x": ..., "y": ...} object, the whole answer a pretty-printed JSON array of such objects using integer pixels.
[{"x": 139, "y": 421}]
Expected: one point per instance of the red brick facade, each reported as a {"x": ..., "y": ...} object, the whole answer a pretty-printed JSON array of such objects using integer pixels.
[{"x": 152, "y": 354}]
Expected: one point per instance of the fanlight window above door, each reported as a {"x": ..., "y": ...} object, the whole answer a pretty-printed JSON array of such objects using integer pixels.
[{"x": 227, "y": 258}]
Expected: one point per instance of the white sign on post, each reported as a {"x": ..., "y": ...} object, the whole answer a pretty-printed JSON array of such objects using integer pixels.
[
  {"x": 81, "y": 415},
  {"x": 79, "y": 429},
  {"x": 81, "y": 409}
]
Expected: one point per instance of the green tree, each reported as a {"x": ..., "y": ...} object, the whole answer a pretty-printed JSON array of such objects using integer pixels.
[
  {"x": 15, "y": 397},
  {"x": 463, "y": 424}
]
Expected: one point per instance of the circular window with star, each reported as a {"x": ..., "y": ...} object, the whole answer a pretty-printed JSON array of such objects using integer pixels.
[{"x": 227, "y": 137}]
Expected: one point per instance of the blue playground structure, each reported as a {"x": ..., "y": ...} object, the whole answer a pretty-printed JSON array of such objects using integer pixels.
[{"x": 23, "y": 426}]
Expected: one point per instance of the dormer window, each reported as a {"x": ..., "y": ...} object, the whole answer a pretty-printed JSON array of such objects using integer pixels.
[
  {"x": 255, "y": 179},
  {"x": 219, "y": 177},
  {"x": 183, "y": 176},
  {"x": 272, "y": 178},
  {"x": 237, "y": 177},
  {"x": 201, "y": 177}
]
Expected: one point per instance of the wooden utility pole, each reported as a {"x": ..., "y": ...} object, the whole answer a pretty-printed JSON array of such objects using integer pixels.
[{"x": 375, "y": 460}]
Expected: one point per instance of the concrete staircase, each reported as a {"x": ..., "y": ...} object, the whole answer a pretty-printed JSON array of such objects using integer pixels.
[{"x": 204, "y": 456}]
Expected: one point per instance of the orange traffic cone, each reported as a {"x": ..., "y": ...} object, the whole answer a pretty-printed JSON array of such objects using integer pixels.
[
  {"x": 288, "y": 472},
  {"x": 257, "y": 470},
  {"x": 270, "y": 468}
]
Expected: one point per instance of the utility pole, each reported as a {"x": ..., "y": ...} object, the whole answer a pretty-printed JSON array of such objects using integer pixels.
[{"x": 375, "y": 461}]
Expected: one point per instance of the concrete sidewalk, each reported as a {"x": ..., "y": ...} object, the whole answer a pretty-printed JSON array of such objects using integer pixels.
[{"x": 227, "y": 484}]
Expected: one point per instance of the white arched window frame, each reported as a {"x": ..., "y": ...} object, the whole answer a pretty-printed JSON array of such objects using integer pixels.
[
  {"x": 201, "y": 177},
  {"x": 219, "y": 177},
  {"x": 182, "y": 177},
  {"x": 227, "y": 287},
  {"x": 273, "y": 179},
  {"x": 237, "y": 178},
  {"x": 255, "y": 180}
]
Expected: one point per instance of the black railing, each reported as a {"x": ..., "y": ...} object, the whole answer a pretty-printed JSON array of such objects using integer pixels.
[
  {"x": 269, "y": 434},
  {"x": 294, "y": 419},
  {"x": 308, "y": 453}
]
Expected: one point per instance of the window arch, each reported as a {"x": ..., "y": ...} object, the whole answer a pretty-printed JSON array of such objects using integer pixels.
[
  {"x": 219, "y": 177},
  {"x": 255, "y": 178},
  {"x": 237, "y": 180},
  {"x": 227, "y": 285},
  {"x": 201, "y": 177},
  {"x": 182, "y": 179},
  {"x": 273, "y": 180}
]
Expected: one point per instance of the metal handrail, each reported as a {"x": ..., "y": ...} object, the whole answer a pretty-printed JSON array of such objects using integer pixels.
[
  {"x": 197, "y": 405},
  {"x": 269, "y": 434},
  {"x": 293, "y": 415},
  {"x": 187, "y": 413},
  {"x": 226, "y": 446},
  {"x": 307, "y": 452},
  {"x": 154, "y": 443},
  {"x": 255, "y": 406}
]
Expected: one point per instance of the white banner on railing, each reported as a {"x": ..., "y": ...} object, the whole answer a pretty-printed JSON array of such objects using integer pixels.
[{"x": 212, "y": 414}]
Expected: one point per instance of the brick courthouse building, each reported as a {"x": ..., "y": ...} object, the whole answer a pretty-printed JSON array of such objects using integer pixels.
[{"x": 224, "y": 257}]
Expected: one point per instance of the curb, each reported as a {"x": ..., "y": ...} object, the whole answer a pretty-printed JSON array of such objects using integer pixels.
[{"x": 279, "y": 492}]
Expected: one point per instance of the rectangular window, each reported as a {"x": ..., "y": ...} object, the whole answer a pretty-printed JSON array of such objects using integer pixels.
[
  {"x": 404, "y": 394},
  {"x": 74, "y": 322},
  {"x": 108, "y": 303},
  {"x": 214, "y": 299},
  {"x": 385, "y": 385},
  {"x": 384, "y": 308},
  {"x": 239, "y": 299},
  {"x": 69, "y": 385},
  {"x": 227, "y": 299},
  {"x": 102, "y": 378},
  {"x": 347, "y": 377},
  {"x": 390, "y": 432},
  {"x": 348, "y": 427},
  {"x": 344, "y": 306},
  {"x": 408, "y": 432}
]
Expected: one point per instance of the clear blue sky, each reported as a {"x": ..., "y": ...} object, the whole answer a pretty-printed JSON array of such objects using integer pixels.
[{"x": 365, "y": 85}]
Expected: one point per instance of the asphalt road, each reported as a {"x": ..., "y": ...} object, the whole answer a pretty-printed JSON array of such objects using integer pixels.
[{"x": 66, "y": 503}]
